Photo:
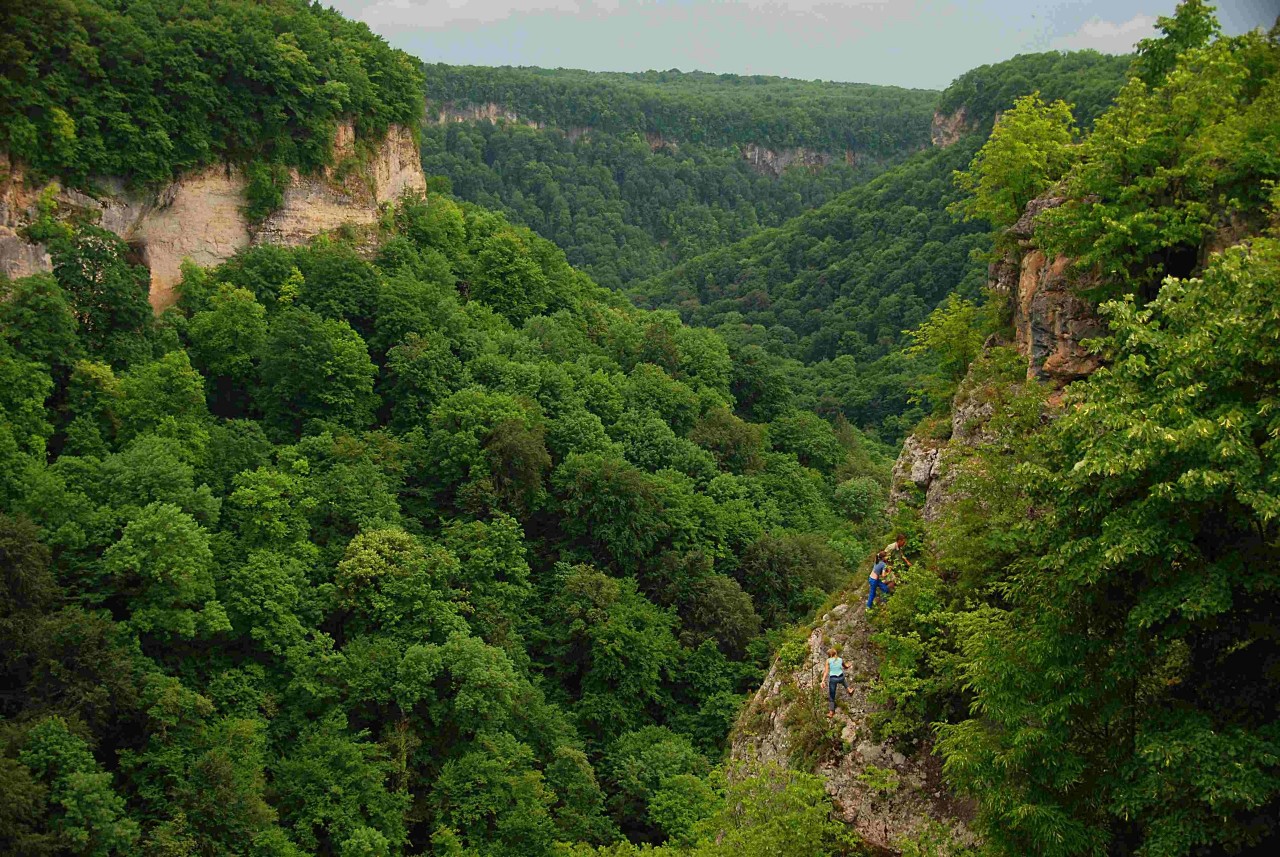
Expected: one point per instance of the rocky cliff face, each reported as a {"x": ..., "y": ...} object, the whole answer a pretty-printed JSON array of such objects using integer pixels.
[
  {"x": 1050, "y": 318},
  {"x": 948, "y": 128},
  {"x": 774, "y": 162},
  {"x": 885, "y": 792},
  {"x": 200, "y": 217}
]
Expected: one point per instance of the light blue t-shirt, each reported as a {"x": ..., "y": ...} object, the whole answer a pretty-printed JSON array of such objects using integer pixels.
[{"x": 835, "y": 667}]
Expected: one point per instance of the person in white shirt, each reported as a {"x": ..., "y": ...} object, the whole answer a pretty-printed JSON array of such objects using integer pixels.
[{"x": 897, "y": 546}]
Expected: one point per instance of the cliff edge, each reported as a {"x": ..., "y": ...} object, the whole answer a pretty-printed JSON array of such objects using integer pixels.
[
  {"x": 200, "y": 216},
  {"x": 886, "y": 792}
]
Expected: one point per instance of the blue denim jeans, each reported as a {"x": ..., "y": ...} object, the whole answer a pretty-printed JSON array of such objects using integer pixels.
[
  {"x": 875, "y": 584},
  {"x": 832, "y": 681}
]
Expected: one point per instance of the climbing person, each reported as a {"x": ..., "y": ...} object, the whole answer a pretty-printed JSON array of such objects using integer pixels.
[
  {"x": 876, "y": 580},
  {"x": 897, "y": 546},
  {"x": 833, "y": 674},
  {"x": 890, "y": 577}
]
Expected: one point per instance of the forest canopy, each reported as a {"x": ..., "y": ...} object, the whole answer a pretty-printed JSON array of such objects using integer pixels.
[
  {"x": 93, "y": 89},
  {"x": 697, "y": 107},
  {"x": 449, "y": 548}
]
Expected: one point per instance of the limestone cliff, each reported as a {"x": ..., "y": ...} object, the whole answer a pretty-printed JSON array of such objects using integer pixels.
[
  {"x": 1051, "y": 319},
  {"x": 887, "y": 793},
  {"x": 762, "y": 159},
  {"x": 947, "y": 128},
  {"x": 200, "y": 215},
  {"x": 775, "y": 162}
]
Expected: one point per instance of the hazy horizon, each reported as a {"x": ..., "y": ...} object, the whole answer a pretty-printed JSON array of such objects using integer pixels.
[{"x": 912, "y": 43}]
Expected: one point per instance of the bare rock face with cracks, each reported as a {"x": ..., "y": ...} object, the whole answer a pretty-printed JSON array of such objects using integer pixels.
[
  {"x": 200, "y": 216},
  {"x": 886, "y": 792}
]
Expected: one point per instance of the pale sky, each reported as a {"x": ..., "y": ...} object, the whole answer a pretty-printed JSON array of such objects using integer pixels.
[{"x": 920, "y": 43}]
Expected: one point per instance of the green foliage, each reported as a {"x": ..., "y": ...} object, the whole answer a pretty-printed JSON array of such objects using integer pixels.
[
  {"x": 218, "y": 81},
  {"x": 86, "y": 815},
  {"x": 1178, "y": 158},
  {"x": 315, "y": 369},
  {"x": 881, "y": 781},
  {"x": 1028, "y": 150},
  {"x": 948, "y": 341},
  {"x": 771, "y": 811},
  {"x": 1087, "y": 79},
  {"x": 1192, "y": 25}
]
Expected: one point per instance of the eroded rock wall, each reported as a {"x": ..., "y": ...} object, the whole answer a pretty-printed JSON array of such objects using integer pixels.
[
  {"x": 200, "y": 216},
  {"x": 946, "y": 129},
  {"x": 775, "y": 162},
  {"x": 1051, "y": 318},
  {"x": 785, "y": 723}
]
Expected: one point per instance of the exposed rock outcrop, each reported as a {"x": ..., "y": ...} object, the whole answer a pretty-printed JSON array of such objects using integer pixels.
[
  {"x": 200, "y": 216},
  {"x": 924, "y": 474},
  {"x": 775, "y": 162},
  {"x": 947, "y": 128},
  {"x": 1050, "y": 318},
  {"x": 885, "y": 792},
  {"x": 489, "y": 111}
]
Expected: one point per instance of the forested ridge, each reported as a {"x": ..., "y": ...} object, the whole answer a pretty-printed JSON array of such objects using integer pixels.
[
  {"x": 94, "y": 89},
  {"x": 697, "y": 107},
  {"x": 632, "y": 173},
  {"x": 450, "y": 551},
  {"x": 1090, "y": 636}
]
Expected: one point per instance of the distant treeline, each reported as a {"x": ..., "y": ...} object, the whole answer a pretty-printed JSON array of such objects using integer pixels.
[{"x": 697, "y": 107}]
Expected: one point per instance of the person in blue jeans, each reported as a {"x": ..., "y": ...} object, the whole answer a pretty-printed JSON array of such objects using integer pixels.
[
  {"x": 833, "y": 674},
  {"x": 876, "y": 580}
]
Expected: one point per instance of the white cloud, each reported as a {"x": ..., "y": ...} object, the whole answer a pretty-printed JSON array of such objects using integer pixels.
[{"x": 1108, "y": 36}]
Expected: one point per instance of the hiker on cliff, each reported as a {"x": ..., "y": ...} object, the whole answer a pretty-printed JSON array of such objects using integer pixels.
[
  {"x": 833, "y": 674},
  {"x": 897, "y": 546},
  {"x": 876, "y": 580}
]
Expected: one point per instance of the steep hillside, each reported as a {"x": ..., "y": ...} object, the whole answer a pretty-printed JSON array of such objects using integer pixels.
[
  {"x": 203, "y": 216},
  {"x": 96, "y": 89},
  {"x": 633, "y": 173},
  {"x": 836, "y": 287},
  {"x": 192, "y": 131},
  {"x": 1085, "y": 639}
]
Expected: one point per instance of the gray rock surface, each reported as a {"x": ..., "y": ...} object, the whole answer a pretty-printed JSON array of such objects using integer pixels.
[{"x": 768, "y": 731}]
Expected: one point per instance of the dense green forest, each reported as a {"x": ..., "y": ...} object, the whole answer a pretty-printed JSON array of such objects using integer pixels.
[
  {"x": 624, "y": 211},
  {"x": 1087, "y": 79},
  {"x": 696, "y": 107},
  {"x": 824, "y": 299},
  {"x": 1092, "y": 637},
  {"x": 450, "y": 550},
  {"x": 811, "y": 277},
  {"x": 632, "y": 173},
  {"x": 93, "y": 89},
  {"x": 418, "y": 540}
]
